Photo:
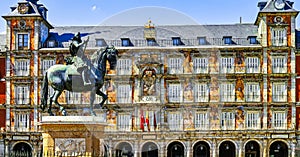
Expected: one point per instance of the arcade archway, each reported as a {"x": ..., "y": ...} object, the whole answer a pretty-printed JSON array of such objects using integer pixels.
[
  {"x": 278, "y": 149},
  {"x": 124, "y": 149},
  {"x": 252, "y": 149},
  {"x": 227, "y": 149},
  {"x": 150, "y": 149},
  {"x": 201, "y": 149},
  {"x": 21, "y": 149},
  {"x": 175, "y": 149}
]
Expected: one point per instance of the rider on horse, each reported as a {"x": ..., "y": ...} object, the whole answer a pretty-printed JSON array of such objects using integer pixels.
[{"x": 78, "y": 57}]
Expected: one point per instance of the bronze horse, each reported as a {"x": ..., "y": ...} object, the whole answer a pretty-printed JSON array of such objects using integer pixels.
[{"x": 65, "y": 77}]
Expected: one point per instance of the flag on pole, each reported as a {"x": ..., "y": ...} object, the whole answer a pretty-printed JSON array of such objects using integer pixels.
[
  {"x": 147, "y": 120},
  {"x": 154, "y": 122},
  {"x": 142, "y": 120}
]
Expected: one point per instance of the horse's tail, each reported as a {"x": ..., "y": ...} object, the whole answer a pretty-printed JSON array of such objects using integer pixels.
[{"x": 44, "y": 94}]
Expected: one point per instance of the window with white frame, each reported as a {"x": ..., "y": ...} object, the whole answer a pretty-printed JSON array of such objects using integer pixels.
[
  {"x": 279, "y": 119},
  {"x": 279, "y": 37},
  {"x": 252, "y": 120},
  {"x": 22, "y": 67},
  {"x": 73, "y": 97},
  {"x": 22, "y": 121},
  {"x": 201, "y": 121},
  {"x": 200, "y": 65},
  {"x": 124, "y": 93},
  {"x": 23, "y": 40},
  {"x": 175, "y": 92},
  {"x": 252, "y": 65},
  {"x": 201, "y": 92},
  {"x": 252, "y": 92},
  {"x": 227, "y": 65},
  {"x": 279, "y": 64},
  {"x": 124, "y": 122},
  {"x": 227, "y": 92},
  {"x": 22, "y": 94},
  {"x": 227, "y": 120},
  {"x": 175, "y": 121},
  {"x": 279, "y": 92},
  {"x": 124, "y": 66},
  {"x": 46, "y": 64},
  {"x": 175, "y": 66}
]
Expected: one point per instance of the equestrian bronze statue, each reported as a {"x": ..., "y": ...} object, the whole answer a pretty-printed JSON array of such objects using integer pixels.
[{"x": 81, "y": 75}]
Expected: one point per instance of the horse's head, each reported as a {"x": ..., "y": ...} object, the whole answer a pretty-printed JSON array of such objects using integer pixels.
[{"x": 112, "y": 55}]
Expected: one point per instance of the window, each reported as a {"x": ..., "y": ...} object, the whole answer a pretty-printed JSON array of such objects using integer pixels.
[
  {"x": 46, "y": 64},
  {"x": 279, "y": 92},
  {"x": 124, "y": 66},
  {"x": 279, "y": 37},
  {"x": 227, "y": 65},
  {"x": 279, "y": 64},
  {"x": 227, "y": 121},
  {"x": 23, "y": 41},
  {"x": 124, "y": 93},
  {"x": 252, "y": 65},
  {"x": 200, "y": 65},
  {"x": 175, "y": 66},
  {"x": 73, "y": 97},
  {"x": 227, "y": 92},
  {"x": 227, "y": 40},
  {"x": 22, "y": 95},
  {"x": 201, "y": 92},
  {"x": 125, "y": 42},
  {"x": 124, "y": 122},
  {"x": 202, "y": 40},
  {"x": 252, "y": 92},
  {"x": 279, "y": 119},
  {"x": 252, "y": 120},
  {"x": 22, "y": 121},
  {"x": 176, "y": 41},
  {"x": 22, "y": 67},
  {"x": 51, "y": 43},
  {"x": 100, "y": 43},
  {"x": 252, "y": 39},
  {"x": 151, "y": 42},
  {"x": 175, "y": 92},
  {"x": 201, "y": 121},
  {"x": 175, "y": 121}
]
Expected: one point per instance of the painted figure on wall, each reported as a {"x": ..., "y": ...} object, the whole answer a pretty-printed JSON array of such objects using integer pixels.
[
  {"x": 188, "y": 91},
  {"x": 111, "y": 118},
  {"x": 149, "y": 81},
  {"x": 214, "y": 89},
  {"x": 239, "y": 90},
  {"x": 213, "y": 60},
  {"x": 269, "y": 118},
  {"x": 111, "y": 92},
  {"x": 214, "y": 117},
  {"x": 240, "y": 117},
  {"x": 240, "y": 63},
  {"x": 187, "y": 63},
  {"x": 188, "y": 120}
]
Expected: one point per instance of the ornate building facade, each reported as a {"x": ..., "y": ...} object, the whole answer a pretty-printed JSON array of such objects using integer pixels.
[{"x": 187, "y": 91}]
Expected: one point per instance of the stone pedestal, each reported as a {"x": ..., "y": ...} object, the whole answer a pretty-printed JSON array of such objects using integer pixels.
[{"x": 72, "y": 135}]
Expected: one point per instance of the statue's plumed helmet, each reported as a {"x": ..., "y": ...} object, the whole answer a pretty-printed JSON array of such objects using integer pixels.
[{"x": 77, "y": 37}]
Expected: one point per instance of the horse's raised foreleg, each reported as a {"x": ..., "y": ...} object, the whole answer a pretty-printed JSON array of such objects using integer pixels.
[
  {"x": 104, "y": 97},
  {"x": 92, "y": 99}
]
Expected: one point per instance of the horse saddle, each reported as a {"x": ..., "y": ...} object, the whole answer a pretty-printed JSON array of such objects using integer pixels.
[{"x": 72, "y": 71}]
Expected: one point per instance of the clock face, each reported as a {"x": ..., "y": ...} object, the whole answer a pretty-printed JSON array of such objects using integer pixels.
[
  {"x": 279, "y": 4},
  {"x": 23, "y": 8}
]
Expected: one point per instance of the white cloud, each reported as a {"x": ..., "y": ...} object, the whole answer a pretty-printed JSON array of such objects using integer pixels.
[
  {"x": 4, "y": 32},
  {"x": 94, "y": 7}
]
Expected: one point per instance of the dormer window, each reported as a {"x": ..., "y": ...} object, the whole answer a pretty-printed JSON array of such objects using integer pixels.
[
  {"x": 252, "y": 39},
  {"x": 151, "y": 42},
  {"x": 23, "y": 41},
  {"x": 125, "y": 42},
  {"x": 51, "y": 43},
  {"x": 100, "y": 43},
  {"x": 202, "y": 40},
  {"x": 176, "y": 41},
  {"x": 227, "y": 40}
]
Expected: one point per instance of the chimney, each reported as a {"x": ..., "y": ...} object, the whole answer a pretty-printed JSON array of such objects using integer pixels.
[{"x": 241, "y": 20}]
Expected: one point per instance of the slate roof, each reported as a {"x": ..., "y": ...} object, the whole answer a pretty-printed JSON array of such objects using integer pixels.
[{"x": 64, "y": 34}]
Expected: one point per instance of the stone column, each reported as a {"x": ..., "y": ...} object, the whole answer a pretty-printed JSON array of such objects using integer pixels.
[
  {"x": 292, "y": 149},
  {"x": 189, "y": 149},
  {"x": 214, "y": 148},
  {"x": 37, "y": 31},
  {"x": 7, "y": 150},
  {"x": 136, "y": 148},
  {"x": 265, "y": 148},
  {"x": 240, "y": 148},
  {"x": 35, "y": 92},
  {"x": 162, "y": 152},
  {"x": 8, "y": 93}
]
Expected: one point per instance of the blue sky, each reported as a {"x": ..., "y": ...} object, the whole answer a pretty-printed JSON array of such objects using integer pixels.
[{"x": 94, "y": 12}]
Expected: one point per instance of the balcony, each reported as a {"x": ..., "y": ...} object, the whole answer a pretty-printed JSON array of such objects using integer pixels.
[{"x": 167, "y": 43}]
